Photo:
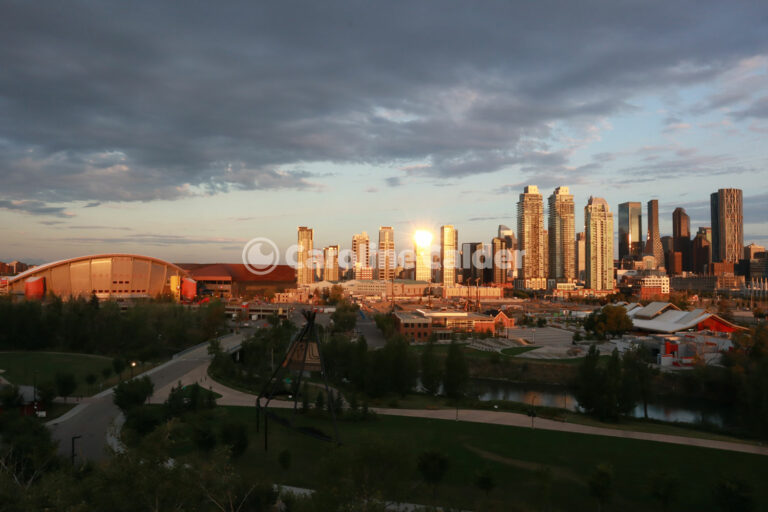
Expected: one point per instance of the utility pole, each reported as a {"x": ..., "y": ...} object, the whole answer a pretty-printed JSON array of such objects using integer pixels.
[{"x": 74, "y": 438}]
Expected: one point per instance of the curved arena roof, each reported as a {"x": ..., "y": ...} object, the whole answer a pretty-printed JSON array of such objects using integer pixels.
[{"x": 106, "y": 275}]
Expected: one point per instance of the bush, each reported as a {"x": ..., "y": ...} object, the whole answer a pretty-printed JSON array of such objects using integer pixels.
[
  {"x": 133, "y": 393},
  {"x": 235, "y": 435}
]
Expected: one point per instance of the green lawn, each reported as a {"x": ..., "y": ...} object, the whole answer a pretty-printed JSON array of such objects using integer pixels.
[
  {"x": 516, "y": 351},
  {"x": 28, "y": 367},
  {"x": 514, "y": 456}
]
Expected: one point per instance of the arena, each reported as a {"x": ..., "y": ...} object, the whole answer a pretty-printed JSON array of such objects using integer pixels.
[{"x": 108, "y": 276}]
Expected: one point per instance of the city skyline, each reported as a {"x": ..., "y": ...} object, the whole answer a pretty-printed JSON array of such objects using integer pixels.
[{"x": 186, "y": 134}]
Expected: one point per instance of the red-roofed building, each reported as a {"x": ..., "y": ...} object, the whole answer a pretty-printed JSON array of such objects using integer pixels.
[{"x": 235, "y": 280}]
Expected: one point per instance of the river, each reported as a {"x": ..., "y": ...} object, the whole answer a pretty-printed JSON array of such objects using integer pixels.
[{"x": 553, "y": 396}]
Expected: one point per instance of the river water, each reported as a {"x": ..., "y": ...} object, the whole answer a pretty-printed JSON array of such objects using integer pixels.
[{"x": 551, "y": 396}]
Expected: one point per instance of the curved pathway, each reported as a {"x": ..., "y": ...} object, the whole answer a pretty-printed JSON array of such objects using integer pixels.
[{"x": 233, "y": 397}]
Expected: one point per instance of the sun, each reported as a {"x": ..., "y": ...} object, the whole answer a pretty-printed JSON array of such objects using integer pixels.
[{"x": 423, "y": 238}]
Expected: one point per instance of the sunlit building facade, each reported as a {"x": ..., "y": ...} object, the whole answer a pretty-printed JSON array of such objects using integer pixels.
[
  {"x": 305, "y": 267},
  {"x": 331, "y": 263},
  {"x": 385, "y": 257},
  {"x": 449, "y": 246},
  {"x": 727, "y": 225},
  {"x": 530, "y": 238},
  {"x": 562, "y": 235},
  {"x": 598, "y": 223}
]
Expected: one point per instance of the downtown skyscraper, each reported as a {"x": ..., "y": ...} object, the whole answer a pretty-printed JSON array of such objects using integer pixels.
[
  {"x": 530, "y": 233},
  {"x": 727, "y": 225},
  {"x": 681, "y": 237},
  {"x": 385, "y": 257},
  {"x": 630, "y": 230},
  {"x": 653, "y": 245},
  {"x": 598, "y": 224},
  {"x": 306, "y": 272},
  {"x": 562, "y": 235},
  {"x": 449, "y": 245}
]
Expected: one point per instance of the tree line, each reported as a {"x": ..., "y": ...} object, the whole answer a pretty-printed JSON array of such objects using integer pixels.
[{"x": 147, "y": 330}]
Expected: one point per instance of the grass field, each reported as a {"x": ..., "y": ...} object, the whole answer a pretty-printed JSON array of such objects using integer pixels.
[
  {"x": 27, "y": 367},
  {"x": 515, "y": 458}
]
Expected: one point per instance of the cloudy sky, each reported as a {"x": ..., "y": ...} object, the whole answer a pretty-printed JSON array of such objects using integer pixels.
[{"x": 183, "y": 130}]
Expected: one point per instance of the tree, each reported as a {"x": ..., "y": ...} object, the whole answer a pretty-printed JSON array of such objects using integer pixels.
[
  {"x": 636, "y": 379},
  {"x": 106, "y": 372},
  {"x": 10, "y": 398},
  {"x": 133, "y": 393},
  {"x": 456, "y": 371},
  {"x": 432, "y": 466},
  {"x": 284, "y": 459},
  {"x": 601, "y": 485},
  {"x": 235, "y": 435},
  {"x": 734, "y": 496},
  {"x": 65, "y": 383},
  {"x": 90, "y": 379},
  {"x": 431, "y": 373},
  {"x": 118, "y": 365},
  {"x": 484, "y": 481},
  {"x": 663, "y": 489},
  {"x": 589, "y": 381}
]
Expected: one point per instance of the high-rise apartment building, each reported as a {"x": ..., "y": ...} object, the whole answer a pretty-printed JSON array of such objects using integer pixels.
[
  {"x": 653, "y": 245},
  {"x": 385, "y": 258},
  {"x": 598, "y": 223},
  {"x": 361, "y": 251},
  {"x": 530, "y": 233},
  {"x": 501, "y": 258},
  {"x": 580, "y": 255},
  {"x": 331, "y": 263},
  {"x": 630, "y": 230},
  {"x": 449, "y": 246},
  {"x": 562, "y": 235},
  {"x": 727, "y": 225},
  {"x": 305, "y": 267}
]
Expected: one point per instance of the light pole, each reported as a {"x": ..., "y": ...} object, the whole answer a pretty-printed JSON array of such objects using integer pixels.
[
  {"x": 133, "y": 365},
  {"x": 74, "y": 438}
]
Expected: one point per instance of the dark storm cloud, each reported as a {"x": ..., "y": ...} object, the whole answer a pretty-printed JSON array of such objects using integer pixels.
[{"x": 105, "y": 100}]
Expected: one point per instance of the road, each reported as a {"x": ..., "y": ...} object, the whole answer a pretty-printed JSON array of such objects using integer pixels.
[
  {"x": 367, "y": 328},
  {"x": 93, "y": 418}
]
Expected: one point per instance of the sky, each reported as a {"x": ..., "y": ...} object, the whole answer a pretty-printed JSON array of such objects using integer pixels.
[{"x": 184, "y": 130}]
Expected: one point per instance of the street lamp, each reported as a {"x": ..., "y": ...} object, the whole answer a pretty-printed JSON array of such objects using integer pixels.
[
  {"x": 133, "y": 365},
  {"x": 74, "y": 438}
]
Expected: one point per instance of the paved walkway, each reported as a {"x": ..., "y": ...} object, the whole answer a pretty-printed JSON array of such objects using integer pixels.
[{"x": 238, "y": 398}]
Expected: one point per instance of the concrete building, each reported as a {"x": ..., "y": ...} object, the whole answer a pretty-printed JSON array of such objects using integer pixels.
[
  {"x": 449, "y": 248},
  {"x": 331, "y": 263},
  {"x": 305, "y": 265},
  {"x": 530, "y": 233},
  {"x": 726, "y": 208},
  {"x": 562, "y": 235},
  {"x": 598, "y": 221},
  {"x": 752, "y": 250},
  {"x": 653, "y": 245},
  {"x": 630, "y": 230},
  {"x": 361, "y": 252},
  {"x": 386, "y": 257}
]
